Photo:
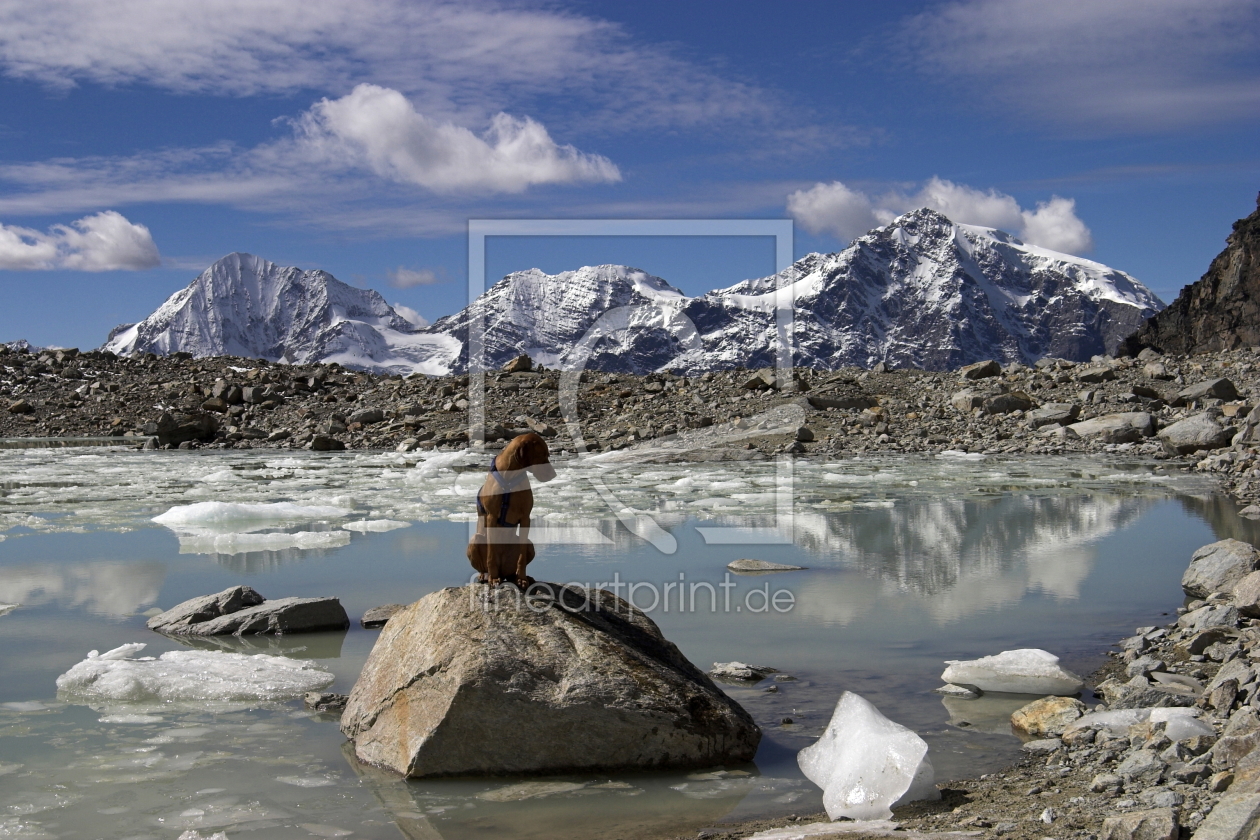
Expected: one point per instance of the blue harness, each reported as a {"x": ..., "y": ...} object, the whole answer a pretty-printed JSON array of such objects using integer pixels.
[{"x": 506, "y": 489}]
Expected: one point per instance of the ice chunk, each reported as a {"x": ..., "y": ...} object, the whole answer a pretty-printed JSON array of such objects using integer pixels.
[
  {"x": 1180, "y": 723},
  {"x": 193, "y": 835},
  {"x": 190, "y": 675},
  {"x": 365, "y": 525},
  {"x": 213, "y": 513},
  {"x": 241, "y": 543},
  {"x": 866, "y": 763},
  {"x": 1025, "y": 671},
  {"x": 5, "y": 609}
]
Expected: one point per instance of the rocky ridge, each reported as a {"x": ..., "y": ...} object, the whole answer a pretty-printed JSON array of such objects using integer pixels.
[
  {"x": 1220, "y": 311},
  {"x": 1199, "y": 411}
]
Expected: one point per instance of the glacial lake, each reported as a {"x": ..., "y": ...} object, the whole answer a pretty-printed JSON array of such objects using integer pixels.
[{"x": 911, "y": 562}]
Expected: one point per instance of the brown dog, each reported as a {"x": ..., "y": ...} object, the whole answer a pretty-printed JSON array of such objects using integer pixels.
[{"x": 501, "y": 548}]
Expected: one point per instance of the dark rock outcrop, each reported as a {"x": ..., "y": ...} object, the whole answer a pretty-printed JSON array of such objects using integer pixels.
[
  {"x": 241, "y": 611},
  {"x": 1221, "y": 311}
]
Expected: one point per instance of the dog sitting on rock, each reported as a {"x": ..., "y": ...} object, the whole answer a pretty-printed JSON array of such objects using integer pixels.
[{"x": 501, "y": 549}]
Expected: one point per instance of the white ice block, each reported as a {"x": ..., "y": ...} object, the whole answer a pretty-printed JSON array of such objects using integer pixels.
[
  {"x": 206, "y": 514},
  {"x": 189, "y": 675},
  {"x": 1025, "y": 671},
  {"x": 866, "y": 763}
]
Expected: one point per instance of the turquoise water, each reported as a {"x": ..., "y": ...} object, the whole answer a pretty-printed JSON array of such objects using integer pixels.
[{"x": 911, "y": 562}]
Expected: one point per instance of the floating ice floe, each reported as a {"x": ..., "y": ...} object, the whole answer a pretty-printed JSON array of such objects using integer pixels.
[
  {"x": 5, "y": 609},
  {"x": 1025, "y": 671},
  {"x": 365, "y": 525},
  {"x": 189, "y": 675},
  {"x": 866, "y": 763},
  {"x": 240, "y": 543},
  {"x": 203, "y": 514}
]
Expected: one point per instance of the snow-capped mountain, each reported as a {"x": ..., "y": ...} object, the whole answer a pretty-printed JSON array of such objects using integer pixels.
[
  {"x": 925, "y": 292},
  {"x": 244, "y": 305},
  {"x": 607, "y": 317},
  {"x": 921, "y": 291}
]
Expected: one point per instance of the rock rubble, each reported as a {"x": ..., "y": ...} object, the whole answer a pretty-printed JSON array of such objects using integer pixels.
[{"x": 1200, "y": 411}]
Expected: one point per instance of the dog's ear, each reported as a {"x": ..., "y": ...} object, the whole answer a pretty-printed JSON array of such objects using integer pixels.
[{"x": 515, "y": 456}]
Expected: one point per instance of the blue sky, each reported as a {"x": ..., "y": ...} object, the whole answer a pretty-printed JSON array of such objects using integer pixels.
[{"x": 140, "y": 141}]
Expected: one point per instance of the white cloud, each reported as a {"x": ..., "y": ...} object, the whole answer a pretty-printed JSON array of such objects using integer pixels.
[
  {"x": 405, "y": 278},
  {"x": 1115, "y": 66},
  {"x": 1055, "y": 225},
  {"x": 378, "y": 128},
  {"x": 457, "y": 59},
  {"x": 102, "y": 242},
  {"x": 411, "y": 315},
  {"x": 847, "y": 213}
]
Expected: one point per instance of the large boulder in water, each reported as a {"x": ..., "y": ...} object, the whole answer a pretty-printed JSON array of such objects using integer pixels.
[{"x": 477, "y": 680}]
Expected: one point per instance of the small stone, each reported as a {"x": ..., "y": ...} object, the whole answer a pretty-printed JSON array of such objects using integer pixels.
[
  {"x": 740, "y": 672},
  {"x": 1045, "y": 746},
  {"x": 321, "y": 701},
  {"x": 1220, "y": 782},
  {"x": 1105, "y": 782},
  {"x": 378, "y": 616},
  {"x": 1048, "y": 816},
  {"x": 747, "y": 565},
  {"x": 21, "y": 407},
  {"x": 1049, "y": 716},
  {"x": 1142, "y": 766}
]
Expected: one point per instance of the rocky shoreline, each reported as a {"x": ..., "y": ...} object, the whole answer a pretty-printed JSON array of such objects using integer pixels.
[
  {"x": 1199, "y": 411},
  {"x": 1104, "y": 776}
]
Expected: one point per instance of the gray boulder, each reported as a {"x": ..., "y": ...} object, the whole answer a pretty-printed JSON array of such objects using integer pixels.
[
  {"x": 473, "y": 680},
  {"x": 1246, "y": 595},
  {"x": 240, "y": 611},
  {"x": 1196, "y": 433},
  {"x": 966, "y": 400},
  {"x": 1006, "y": 403},
  {"x": 1114, "y": 423},
  {"x": 1155, "y": 824},
  {"x": 1219, "y": 567},
  {"x": 1095, "y": 375},
  {"x": 980, "y": 370},
  {"x": 1061, "y": 413},
  {"x": 1219, "y": 389}
]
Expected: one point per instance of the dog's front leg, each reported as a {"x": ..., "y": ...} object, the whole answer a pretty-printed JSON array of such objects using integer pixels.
[{"x": 522, "y": 555}]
